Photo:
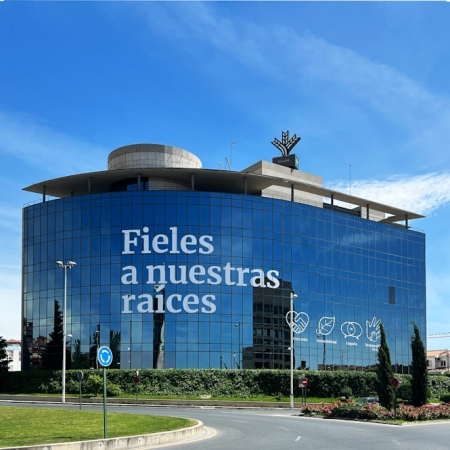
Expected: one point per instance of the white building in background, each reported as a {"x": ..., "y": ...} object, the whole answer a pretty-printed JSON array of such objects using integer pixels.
[
  {"x": 13, "y": 350},
  {"x": 438, "y": 361}
]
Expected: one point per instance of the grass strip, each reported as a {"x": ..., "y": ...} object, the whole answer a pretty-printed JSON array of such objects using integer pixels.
[{"x": 35, "y": 426}]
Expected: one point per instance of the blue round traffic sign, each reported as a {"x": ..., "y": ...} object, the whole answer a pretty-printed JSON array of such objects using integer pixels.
[{"x": 104, "y": 356}]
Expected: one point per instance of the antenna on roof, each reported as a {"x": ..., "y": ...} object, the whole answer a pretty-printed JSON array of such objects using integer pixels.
[
  {"x": 231, "y": 151},
  {"x": 350, "y": 179},
  {"x": 228, "y": 163},
  {"x": 220, "y": 165}
]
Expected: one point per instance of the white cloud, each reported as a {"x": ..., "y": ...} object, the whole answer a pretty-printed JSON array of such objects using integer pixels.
[
  {"x": 306, "y": 64},
  {"x": 422, "y": 194},
  {"x": 28, "y": 139},
  {"x": 43, "y": 150},
  {"x": 10, "y": 217}
]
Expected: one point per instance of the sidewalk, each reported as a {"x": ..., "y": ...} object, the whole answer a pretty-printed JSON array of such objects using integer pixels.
[{"x": 151, "y": 402}]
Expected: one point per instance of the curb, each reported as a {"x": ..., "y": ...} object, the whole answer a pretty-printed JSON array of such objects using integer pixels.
[
  {"x": 151, "y": 402},
  {"x": 127, "y": 442}
]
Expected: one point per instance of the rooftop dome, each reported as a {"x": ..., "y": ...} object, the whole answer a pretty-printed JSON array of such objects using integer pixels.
[{"x": 146, "y": 156}]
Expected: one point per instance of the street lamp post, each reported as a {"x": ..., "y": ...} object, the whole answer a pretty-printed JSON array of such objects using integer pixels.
[
  {"x": 129, "y": 356},
  {"x": 291, "y": 395},
  {"x": 63, "y": 266},
  {"x": 240, "y": 356}
]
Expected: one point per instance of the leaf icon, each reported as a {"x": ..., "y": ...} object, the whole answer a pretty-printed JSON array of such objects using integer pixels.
[{"x": 326, "y": 325}]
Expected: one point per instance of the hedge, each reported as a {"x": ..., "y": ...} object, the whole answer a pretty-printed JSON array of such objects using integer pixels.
[{"x": 214, "y": 382}]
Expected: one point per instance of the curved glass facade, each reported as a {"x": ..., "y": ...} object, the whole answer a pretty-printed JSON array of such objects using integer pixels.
[{"x": 185, "y": 279}]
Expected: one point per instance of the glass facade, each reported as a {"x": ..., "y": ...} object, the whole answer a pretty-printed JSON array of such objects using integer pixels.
[{"x": 185, "y": 279}]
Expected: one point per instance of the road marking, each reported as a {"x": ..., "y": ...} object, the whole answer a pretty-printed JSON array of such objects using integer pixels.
[
  {"x": 284, "y": 428},
  {"x": 398, "y": 443},
  {"x": 242, "y": 421},
  {"x": 298, "y": 439}
]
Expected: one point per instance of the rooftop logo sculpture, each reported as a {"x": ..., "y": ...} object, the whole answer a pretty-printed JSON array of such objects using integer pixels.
[{"x": 286, "y": 144}]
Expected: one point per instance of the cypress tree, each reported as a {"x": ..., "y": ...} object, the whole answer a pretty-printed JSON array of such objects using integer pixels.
[
  {"x": 419, "y": 370},
  {"x": 384, "y": 373},
  {"x": 4, "y": 363}
]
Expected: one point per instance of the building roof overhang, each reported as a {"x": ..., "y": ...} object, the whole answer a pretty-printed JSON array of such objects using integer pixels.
[{"x": 205, "y": 180}]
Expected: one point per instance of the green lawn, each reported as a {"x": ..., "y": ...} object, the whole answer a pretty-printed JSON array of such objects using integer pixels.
[{"x": 34, "y": 426}]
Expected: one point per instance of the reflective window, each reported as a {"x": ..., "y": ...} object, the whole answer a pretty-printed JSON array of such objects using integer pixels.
[{"x": 182, "y": 279}]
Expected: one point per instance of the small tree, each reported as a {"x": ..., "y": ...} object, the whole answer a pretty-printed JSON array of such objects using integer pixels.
[
  {"x": 419, "y": 370},
  {"x": 4, "y": 363},
  {"x": 384, "y": 373}
]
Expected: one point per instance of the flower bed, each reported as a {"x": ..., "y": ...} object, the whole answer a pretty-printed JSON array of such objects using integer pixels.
[{"x": 376, "y": 412}]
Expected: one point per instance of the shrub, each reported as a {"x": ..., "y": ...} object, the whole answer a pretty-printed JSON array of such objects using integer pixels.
[
  {"x": 445, "y": 397},
  {"x": 346, "y": 392},
  {"x": 404, "y": 392},
  {"x": 214, "y": 382},
  {"x": 350, "y": 411},
  {"x": 374, "y": 411},
  {"x": 94, "y": 384},
  {"x": 113, "y": 389}
]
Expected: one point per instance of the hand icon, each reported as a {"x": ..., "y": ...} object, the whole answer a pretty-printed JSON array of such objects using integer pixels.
[{"x": 373, "y": 329}]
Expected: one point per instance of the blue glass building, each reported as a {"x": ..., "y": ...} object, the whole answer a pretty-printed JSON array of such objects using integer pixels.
[{"x": 183, "y": 267}]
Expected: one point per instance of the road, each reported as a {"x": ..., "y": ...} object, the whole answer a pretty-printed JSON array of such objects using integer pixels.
[{"x": 263, "y": 429}]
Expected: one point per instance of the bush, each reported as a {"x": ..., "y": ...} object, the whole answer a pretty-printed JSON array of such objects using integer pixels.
[
  {"x": 346, "y": 392},
  {"x": 374, "y": 411},
  {"x": 95, "y": 384},
  {"x": 113, "y": 389},
  {"x": 350, "y": 411},
  {"x": 404, "y": 392},
  {"x": 214, "y": 382},
  {"x": 445, "y": 397}
]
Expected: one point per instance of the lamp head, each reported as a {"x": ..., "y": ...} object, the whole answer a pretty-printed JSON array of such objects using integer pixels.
[
  {"x": 59, "y": 263},
  {"x": 71, "y": 264}
]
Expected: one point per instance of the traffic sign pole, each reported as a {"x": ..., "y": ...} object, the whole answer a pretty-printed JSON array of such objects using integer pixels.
[
  {"x": 395, "y": 382},
  {"x": 80, "y": 377},
  {"x": 105, "y": 425},
  {"x": 137, "y": 380},
  {"x": 104, "y": 357},
  {"x": 305, "y": 385}
]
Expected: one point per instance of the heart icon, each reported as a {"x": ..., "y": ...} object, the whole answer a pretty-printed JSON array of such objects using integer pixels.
[{"x": 299, "y": 321}]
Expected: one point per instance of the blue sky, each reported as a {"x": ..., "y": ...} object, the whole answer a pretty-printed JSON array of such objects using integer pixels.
[{"x": 364, "y": 84}]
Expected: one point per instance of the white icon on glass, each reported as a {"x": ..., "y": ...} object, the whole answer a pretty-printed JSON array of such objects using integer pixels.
[
  {"x": 326, "y": 325},
  {"x": 373, "y": 329},
  {"x": 351, "y": 329},
  {"x": 299, "y": 321}
]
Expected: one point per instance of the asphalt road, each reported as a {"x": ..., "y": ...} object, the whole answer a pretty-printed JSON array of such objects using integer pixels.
[{"x": 263, "y": 429}]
